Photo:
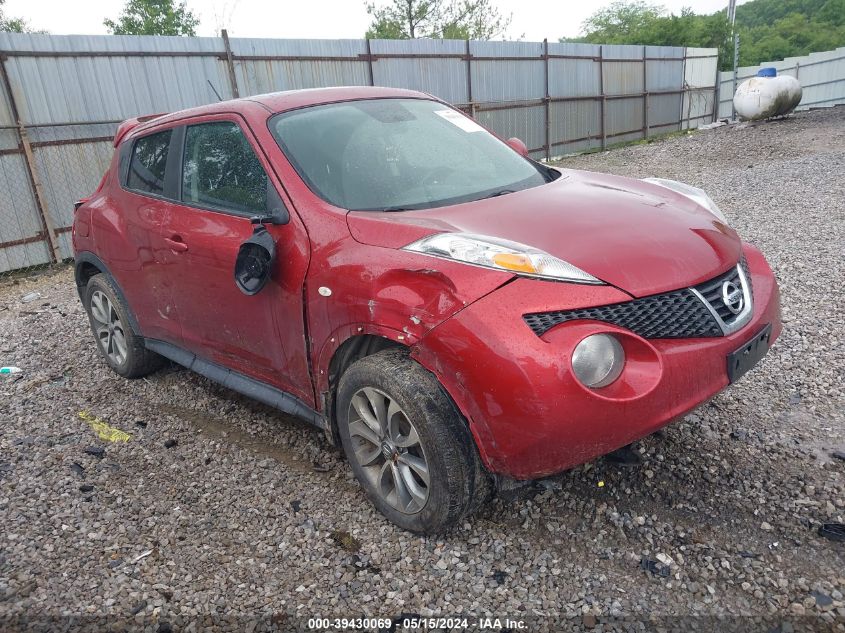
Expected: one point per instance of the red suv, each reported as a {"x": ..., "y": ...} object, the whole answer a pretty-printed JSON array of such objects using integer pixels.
[{"x": 455, "y": 314}]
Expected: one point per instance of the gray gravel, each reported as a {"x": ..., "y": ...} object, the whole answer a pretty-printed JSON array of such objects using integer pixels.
[{"x": 237, "y": 523}]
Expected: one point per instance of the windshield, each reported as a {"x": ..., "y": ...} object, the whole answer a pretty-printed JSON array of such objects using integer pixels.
[{"x": 399, "y": 154}]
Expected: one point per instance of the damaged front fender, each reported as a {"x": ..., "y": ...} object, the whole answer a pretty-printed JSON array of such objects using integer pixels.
[{"x": 407, "y": 294}]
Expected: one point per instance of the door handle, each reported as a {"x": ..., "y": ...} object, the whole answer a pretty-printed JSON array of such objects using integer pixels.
[{"x": 176, "y": 244}]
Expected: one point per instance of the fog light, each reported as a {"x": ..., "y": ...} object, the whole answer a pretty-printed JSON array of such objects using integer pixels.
[{"x": 597, "y": 360}]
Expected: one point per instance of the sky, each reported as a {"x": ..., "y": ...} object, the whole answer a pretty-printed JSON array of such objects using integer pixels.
[{"x": 532, "y": 20}]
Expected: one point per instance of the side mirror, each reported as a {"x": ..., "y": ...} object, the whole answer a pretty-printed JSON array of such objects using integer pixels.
[
  {"x": 518, "y": 146},
  {"x": 256, "y": 256}
]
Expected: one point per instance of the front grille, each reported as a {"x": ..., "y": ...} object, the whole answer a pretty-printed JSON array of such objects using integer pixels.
[
  {"x": 712, "y": 293},
  {"x": 676, "y": 314}
]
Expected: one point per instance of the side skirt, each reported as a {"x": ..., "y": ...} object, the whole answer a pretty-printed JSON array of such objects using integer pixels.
[{"x": 236, "y": 381}]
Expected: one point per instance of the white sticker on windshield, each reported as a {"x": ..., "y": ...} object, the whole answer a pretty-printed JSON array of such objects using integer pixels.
[{"x": 456, "y": 118}]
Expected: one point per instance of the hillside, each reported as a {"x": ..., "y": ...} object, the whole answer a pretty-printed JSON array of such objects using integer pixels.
[
  {"x": 774, "y": 29},
  {"x": 769, "y": 29}
]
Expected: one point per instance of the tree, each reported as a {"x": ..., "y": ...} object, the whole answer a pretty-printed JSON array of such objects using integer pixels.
[
  {"x": 154, "y": 17},
  {"x": 768, "y": 29},
  {"x": 14, "y": 25},
  {"x": 651, "y": 25},
  {"x": 438, "y": 19},
  {"x": 791, "y": 36},
  {"x": 621, "y": 22}
]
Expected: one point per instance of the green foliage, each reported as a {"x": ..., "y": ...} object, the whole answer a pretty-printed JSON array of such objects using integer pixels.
[
  {"x": 619, "y": 22},
  {"x": 768, "y": 12},
  {"x": 809, "y": 25},
  {"x": 154, "y": 17},
  {"x": 648, "y": 24},
  {"x": 768, "y": 29},
  {"x": 440, "y": 19},
  {"x": 13, "y": 25}
]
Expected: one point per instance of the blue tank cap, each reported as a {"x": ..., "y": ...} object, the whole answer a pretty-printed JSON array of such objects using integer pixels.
[{"x": 767, "y": 72}]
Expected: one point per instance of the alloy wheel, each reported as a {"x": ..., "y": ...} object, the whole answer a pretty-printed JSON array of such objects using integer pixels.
[
  {"x": 108, "y": 328},
  {"x": 387, "y": 447}
]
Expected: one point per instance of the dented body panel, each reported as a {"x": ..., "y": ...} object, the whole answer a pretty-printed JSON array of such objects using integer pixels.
[
  {"x": 529, "y": 414},
  {"x": 393, "y": 296},
  {"x": 594, "y": 221}
]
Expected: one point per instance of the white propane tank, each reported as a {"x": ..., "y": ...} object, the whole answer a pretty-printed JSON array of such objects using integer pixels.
[{"x": 767, "y": 95}]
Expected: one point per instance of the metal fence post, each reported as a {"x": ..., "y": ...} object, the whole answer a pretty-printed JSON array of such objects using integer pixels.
[
  {"x": 645, "y": 94},
  {"x": 32, "y": 170},
  {"x": 736, "y": 70},
  {"x": 717, "y": 93},
  {"x": 230, "y": 62},
  {"x": 469, "y": 81},
  {"x": 372, "y": 76},
  {"x": 603, "y": 97},
  {"x": 685, "y": 94},
  {"x": 547, "y": 99}
]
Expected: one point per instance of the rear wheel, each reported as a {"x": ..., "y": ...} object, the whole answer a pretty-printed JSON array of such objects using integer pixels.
[
  {"x": 407, "y": 444},
  {"x": 121, "y": 348}
]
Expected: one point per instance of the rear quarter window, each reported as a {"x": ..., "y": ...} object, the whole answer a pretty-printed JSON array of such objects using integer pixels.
[{"x": 148, "y": 163}]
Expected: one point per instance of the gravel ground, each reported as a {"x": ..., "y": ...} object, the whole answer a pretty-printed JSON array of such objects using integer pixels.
[{"x": 252, "y": 516}]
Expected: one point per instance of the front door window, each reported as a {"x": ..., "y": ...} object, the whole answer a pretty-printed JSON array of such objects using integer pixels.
[{"x": 221, "y": 171}]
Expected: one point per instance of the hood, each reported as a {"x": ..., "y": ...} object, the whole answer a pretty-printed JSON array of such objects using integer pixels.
[{"x": 637, "y": 236}]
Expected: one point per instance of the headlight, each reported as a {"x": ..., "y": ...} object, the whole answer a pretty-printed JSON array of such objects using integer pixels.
[
  {"x": 491, "y": 252},
  {"x": 597, "y": 360},
  {"x": 693, "y": 193}
]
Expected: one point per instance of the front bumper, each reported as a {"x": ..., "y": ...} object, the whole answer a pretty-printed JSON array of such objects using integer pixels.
[{"x": 529, "y": 415}]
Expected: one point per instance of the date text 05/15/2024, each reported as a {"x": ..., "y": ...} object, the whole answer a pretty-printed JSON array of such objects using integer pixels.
[{"x": 412, "y": 623}]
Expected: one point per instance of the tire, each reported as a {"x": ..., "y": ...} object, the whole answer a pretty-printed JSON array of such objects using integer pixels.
[
  {"x": 122, "y": 349},
  {"x": 384, "y": 457}
]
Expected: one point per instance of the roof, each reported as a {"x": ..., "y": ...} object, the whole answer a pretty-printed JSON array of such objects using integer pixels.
[
  {"x": 291, "y": 99},
  {"x": 274, "y": 102}
]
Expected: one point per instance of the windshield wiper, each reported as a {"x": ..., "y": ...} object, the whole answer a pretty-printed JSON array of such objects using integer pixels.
[
  {"x": 495, "y": 194},
  {"x": 500, "y": 192}
]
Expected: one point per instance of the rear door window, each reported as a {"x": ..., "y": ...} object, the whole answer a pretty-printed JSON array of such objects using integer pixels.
[
  {"x": 148, "y": 163},
  {"x": 220, "y": 170}
]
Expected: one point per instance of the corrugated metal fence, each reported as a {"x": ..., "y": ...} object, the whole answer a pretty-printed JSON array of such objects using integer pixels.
[
  {"x": 63, "y": 96},
  {"x": 822, "y": 76}
]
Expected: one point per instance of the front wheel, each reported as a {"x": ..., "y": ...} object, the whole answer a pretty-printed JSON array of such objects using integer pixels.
[
  {"x": 118, "y": 344},
  {"x": 407, "y": 444}
]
